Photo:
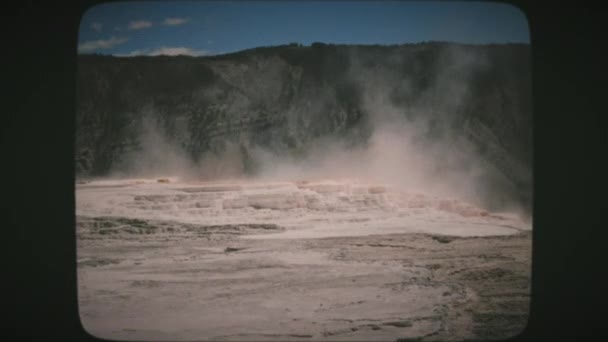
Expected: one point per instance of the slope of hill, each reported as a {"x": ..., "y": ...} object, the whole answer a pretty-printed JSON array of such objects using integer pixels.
[{"x": 467, "y": 108}]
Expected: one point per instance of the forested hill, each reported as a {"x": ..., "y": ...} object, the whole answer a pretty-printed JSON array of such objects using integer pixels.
[{"x": 284, "y": 98}]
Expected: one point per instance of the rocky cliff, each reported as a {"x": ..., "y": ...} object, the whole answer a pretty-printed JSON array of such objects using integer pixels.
[{"x": 287, "y": 99}]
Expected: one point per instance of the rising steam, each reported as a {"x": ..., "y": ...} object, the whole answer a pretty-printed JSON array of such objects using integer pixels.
[{"x": 400, "y": 152}]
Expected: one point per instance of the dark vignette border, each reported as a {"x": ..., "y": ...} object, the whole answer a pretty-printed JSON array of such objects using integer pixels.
[{"x": 37, "y": 138}]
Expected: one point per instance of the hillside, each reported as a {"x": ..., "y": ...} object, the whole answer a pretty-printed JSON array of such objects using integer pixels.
[{"x": 289, "y": 100}]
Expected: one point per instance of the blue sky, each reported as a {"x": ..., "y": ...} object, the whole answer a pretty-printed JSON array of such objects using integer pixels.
[{"x": 217, "y": 27}]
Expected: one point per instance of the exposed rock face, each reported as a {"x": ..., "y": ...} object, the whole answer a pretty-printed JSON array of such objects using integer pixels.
[{"x": 284, "y": 99}]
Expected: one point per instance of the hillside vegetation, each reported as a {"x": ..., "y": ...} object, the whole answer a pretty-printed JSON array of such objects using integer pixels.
[{"x": 286, "y": 99}]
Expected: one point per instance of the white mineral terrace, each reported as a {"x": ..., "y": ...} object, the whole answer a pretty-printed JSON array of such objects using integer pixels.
[
  {"x": 305, "y": 208},
  {"x": 314, "y": 260}
]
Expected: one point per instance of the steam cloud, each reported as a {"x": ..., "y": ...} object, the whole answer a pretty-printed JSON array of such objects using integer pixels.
[{"x": 400, "y": 151}]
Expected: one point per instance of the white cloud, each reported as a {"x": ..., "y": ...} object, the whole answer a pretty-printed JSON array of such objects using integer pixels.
[
  {"x": 93, "y": 45},
  {"x": 175, "y": 51},
  {"x": 175, "y": 21},
  {"x": 131, "y": 54},
  {"x": 165, "y": 51},
  {"x": 139, "y": 24},
  {"x": 97, "y": 26}
]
